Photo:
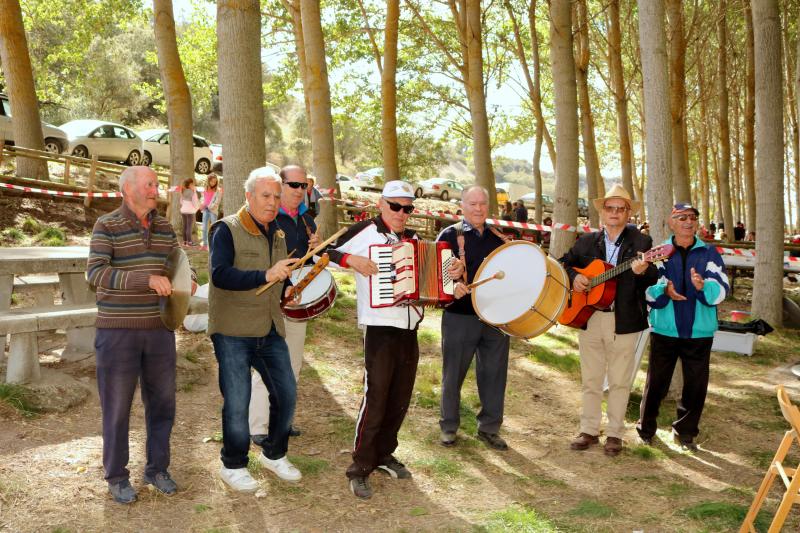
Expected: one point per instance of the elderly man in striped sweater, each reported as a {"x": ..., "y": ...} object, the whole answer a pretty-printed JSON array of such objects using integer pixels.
[{"x": 127, "y": 254}]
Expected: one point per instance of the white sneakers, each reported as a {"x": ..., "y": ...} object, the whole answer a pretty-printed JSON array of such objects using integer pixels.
[
  {"x": 281, "y": 467},
  {"x": 239, "y": 479}
]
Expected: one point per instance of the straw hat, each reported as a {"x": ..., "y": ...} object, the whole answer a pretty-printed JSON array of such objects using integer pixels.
[{"x": 617, "y": 191}]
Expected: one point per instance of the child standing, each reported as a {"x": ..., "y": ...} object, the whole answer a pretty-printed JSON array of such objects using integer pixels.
[
  {"x": 212, "y": 196},
  {"x": 190, "y": 204}
]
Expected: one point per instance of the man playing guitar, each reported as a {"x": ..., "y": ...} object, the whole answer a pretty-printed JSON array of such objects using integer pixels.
[{"x": 608, "y": 342}]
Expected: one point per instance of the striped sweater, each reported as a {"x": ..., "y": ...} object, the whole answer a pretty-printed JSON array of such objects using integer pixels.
[{"x": 122, "y": 256}]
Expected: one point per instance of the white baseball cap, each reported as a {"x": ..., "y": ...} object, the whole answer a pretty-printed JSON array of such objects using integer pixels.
[{"x": 398, "y": 189}]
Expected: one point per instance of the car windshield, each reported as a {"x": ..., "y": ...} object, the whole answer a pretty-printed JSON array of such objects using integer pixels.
[
  {"x": 6, "y": 107},
  {"x": 80, "y": 127}
]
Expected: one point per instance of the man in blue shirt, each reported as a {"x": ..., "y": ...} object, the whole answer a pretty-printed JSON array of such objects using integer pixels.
[{"x": 683, "y": 316}]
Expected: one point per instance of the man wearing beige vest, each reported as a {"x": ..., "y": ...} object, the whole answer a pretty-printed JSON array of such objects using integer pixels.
[{"x": 248, "y": 330}]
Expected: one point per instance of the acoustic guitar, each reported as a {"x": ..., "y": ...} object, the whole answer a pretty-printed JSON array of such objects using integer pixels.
[{"x": 602, "y": 286}]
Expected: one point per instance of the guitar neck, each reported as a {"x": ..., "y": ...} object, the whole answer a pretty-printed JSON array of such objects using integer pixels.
[{"x": 612, "y": 273}]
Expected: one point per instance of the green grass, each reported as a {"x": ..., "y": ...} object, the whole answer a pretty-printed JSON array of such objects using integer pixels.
[
  {"x": 428, "y": 385},
  {"x": 569, "y": 363},
  {"x": 201, "y": 508},
  {"x": 719, "y": 516},
  {"x": 441, "y": 467},
  {"x": 18, "y": 397},
  {"x": 746, "y": 493},
  {"x": 309, "y": 466},
  {"x": 344, "y": 301},
  {"x": 13, "y": 235},
  {"x": 254, "y": 466},
  {"x": 191, "y": 356},
  {"x": 648, "y": 453},
  {"x": 429, "y": 336},
  {"x": 518, "y": 518},
  {"x": 418, "y": 511},
  {"x": 672, "y": 490},
  {"x": 202, "y": 277},
  {"x": 587, "y": 508},
  {"x": 666, "y": 411},
  {"x": 31, "y": 225},
  {"x": 342, "y": 427},
  {"x": 51, "y": 236}
]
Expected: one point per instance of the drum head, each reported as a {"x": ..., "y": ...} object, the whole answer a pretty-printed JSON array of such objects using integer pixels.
[
  {"x": 502, "y": 300},
  {"x": 318, "y": 287}
]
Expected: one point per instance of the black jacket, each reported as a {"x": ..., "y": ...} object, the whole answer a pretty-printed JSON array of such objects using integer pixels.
[{"x": 630, "y": 309}]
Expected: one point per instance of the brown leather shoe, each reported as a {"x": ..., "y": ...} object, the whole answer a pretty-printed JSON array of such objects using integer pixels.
[
  {"x": 583, "y": 441},
  {"x": 613, "y": 446}
]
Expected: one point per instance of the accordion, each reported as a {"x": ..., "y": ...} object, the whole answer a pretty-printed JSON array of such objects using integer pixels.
[{"x": 411, "y": 272}]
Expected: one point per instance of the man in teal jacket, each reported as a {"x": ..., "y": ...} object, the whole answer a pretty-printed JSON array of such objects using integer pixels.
[{"x": 683, "y": 315}]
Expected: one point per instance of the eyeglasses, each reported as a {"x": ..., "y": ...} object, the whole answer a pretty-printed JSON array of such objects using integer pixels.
[
  {"x": 615, "y": 208},
  {"x": 394, "y": 206},
  {"x": 684, "y": 218},
  {"x": 296, "y": 185}
]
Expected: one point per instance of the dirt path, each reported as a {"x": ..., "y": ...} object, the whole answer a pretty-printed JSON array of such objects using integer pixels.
[{"x": 51, "y": 475}]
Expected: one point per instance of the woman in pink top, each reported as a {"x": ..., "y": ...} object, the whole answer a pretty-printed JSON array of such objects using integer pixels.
[
  {"x": 190, "y": 204},
  {"x": 212, "y": 196}
]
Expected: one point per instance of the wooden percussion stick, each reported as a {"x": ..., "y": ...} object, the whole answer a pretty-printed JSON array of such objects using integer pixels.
[
  {"x": 498, "y": 275},
  {"x": 305, "y": 258}
]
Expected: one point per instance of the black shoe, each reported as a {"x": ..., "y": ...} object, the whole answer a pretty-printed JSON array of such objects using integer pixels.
[
  {"x": 493, "y": 440},
  {"x": 447, "y": 438},
  {"x": 394, "y": 468},
  {"x": 122, "y": 492},
  {"x": 361, "y": 488},
  {"x": 162, "y": 482},
  {"x": 646, "y": 441},
  {"x": 687, "y": 443},
  {"x": 294, "y": 432},
  {"x": 259, "y": 440}
]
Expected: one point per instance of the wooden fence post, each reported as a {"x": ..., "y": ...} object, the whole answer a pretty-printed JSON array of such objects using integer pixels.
[
  {"x": 90, "y": 183},
  {"x": 67, "y": 178},
  {"x": 2, "y": 147}
]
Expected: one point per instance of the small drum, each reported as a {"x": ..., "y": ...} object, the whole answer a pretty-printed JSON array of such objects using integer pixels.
[
  {"x": 315, "y": 299},
  {"x": 531, "y": 295}
]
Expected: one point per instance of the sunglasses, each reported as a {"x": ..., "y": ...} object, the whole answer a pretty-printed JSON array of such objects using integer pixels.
[
  {"x": 684, "y": 218},
  {"x": 296, "y": 185},
  {"x": 407, "y": 209},
  {"x": 615, "y": 209}
]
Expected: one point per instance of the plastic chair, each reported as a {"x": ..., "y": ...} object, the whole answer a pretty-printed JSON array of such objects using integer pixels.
[{"x": 791, "y": 481}]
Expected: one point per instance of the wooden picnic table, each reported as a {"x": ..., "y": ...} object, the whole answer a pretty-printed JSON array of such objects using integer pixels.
[{"x": 69, "y": 263}]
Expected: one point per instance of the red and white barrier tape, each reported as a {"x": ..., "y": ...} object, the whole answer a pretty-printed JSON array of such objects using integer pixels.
[
  {"x": 62, "y": 193},
  {"x": 746, "y": 252}
]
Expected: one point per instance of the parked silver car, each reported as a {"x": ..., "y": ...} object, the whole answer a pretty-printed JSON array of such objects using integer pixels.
[
  {"x": 55, "y": 139},
  {"x": 107, "y": 140},
  {"x": 369, "y": 180},
  {"x": 442, "y": 188},
  {"x": 156, "y": 150},
  {"x": 529, "y": 201}
]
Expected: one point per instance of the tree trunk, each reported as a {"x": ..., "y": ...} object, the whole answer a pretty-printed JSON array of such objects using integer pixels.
[
  {"x": 620, "y": 95},
  {"x": 768, "y": 279},
  {"x": 319, "y": 97},
  {"x": 293, "y": 7},
  {"x": 677, "y": 61},
  {"x": 724, "y": 125},
  {"x": 792, "y": 116},
  {"x": 179, "y": 103},
  {"x": 750, "y": 118},
  {"x": 16, "y": 64},
  {"x": 565, "y": 208},
  {"x": 391, "y": 164},
  {"x": 481, "y": 145},
  {"x": 797, "y": 152},
  {"x": 551, "y": 148},
  {"x": 241, "y": 96},
  {"x": 656, "y": 97},
  {"x": 587, "y": 122}
]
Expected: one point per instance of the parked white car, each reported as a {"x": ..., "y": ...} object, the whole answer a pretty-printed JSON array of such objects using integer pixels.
[
  {"x": 55, "y": 139},
  {"x": 107, "y": 140},
  {"x": 346, "y": 183},
  {"x": 439, "y": 188},
  {"x": 370, "y": 180},
  {"x": 156, "y": 150},
  {"x": 216, "y": 157}
]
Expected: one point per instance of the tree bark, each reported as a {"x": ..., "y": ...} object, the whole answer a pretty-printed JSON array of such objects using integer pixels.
[
  {"x": 768, "y": 278},
  {"x": 656, "y": 97},
  {"x": 179, "y": 103},
  {"x": 391, "y": 164},
  {"x": 591, "y": 161},
  {"x": 565, "y": 208},
  {"x": 677, "y": 61},
  {"x": 620, "y": 95},
  {"x": 16, "y": 64},
  {"x": 241, "y": 96},
  {"x": 319, "y": 96},
  {"x": 797, "y": 152},
  {"x": 750, "y": 118},
  {"x": 293, "y": 7},
  {"x": 724, "y": 125}
]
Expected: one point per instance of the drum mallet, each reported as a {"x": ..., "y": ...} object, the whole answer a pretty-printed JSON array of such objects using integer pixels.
[{"x": 497, "y": 275}]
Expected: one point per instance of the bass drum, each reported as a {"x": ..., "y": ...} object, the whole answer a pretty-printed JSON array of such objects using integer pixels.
[
  {"x": 316, "y": 298},
  {"x": 531, "y": 295}
]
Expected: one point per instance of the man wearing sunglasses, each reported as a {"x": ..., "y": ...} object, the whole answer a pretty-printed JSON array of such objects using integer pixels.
[
  {"x": 296, "y": 222},
  {"x": 391, "y": 351},
  {"x": 607, "y": 343},
  {"x": 683, "y": 315}
]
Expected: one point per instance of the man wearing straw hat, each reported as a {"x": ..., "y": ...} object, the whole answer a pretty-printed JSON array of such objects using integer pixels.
[{"x": 608, "y": 342}]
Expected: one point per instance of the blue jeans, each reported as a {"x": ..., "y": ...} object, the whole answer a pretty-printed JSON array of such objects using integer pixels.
[
  {"x": 269, "y": 356},
  {"x": 208, "y": 219}
]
